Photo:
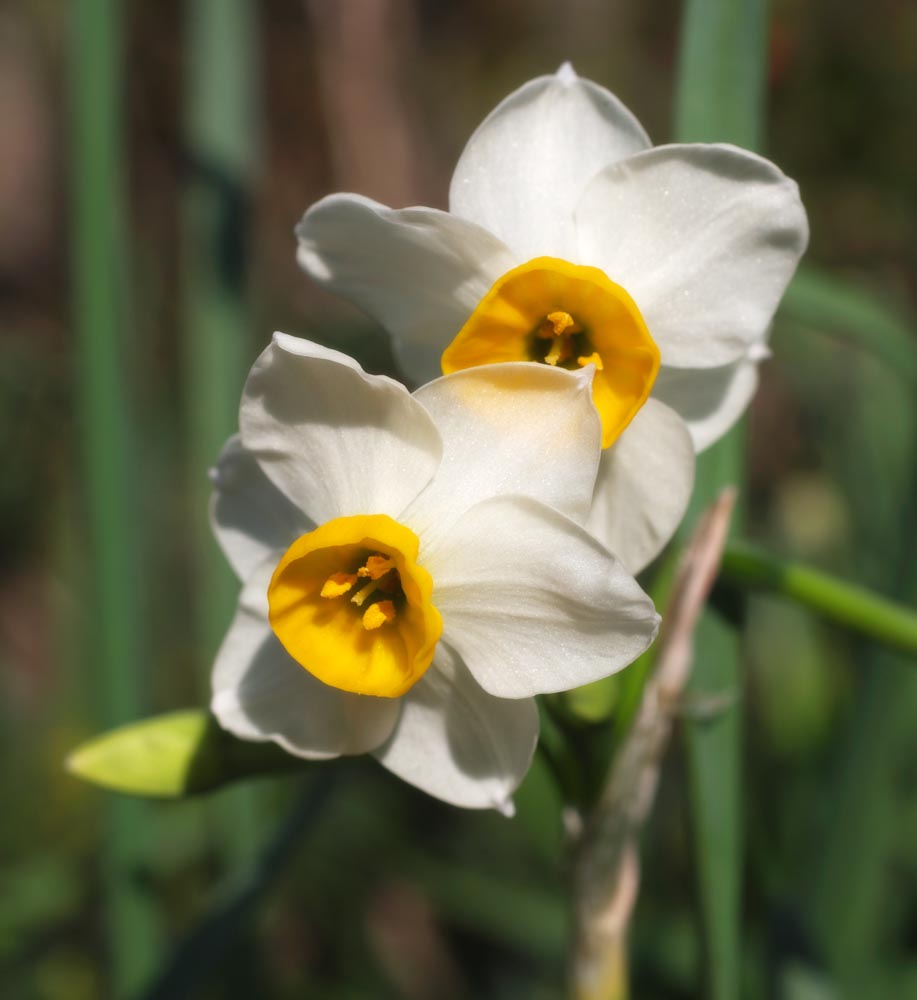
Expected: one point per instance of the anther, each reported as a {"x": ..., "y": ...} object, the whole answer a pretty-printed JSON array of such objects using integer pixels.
[
  {"x": 376, "y": 567},
  {"x": 592, "y": 359},
  {"x": 338, "y": 584},
  {"x": 378, "y": 614},
  {"x": 558, "y": 324}
]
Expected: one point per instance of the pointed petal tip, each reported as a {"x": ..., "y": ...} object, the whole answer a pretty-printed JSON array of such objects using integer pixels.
[
  {"x": 506, "y": 808},
  {"x": 566, "y": 74}
]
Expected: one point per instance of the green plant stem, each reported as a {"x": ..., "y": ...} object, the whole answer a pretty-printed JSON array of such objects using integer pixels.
[
  {"x": 845, "y": 604},
  {"x": 100, "y": 287}
]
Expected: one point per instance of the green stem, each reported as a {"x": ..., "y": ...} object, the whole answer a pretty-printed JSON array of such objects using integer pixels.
[{"x": 846, "y": 604}]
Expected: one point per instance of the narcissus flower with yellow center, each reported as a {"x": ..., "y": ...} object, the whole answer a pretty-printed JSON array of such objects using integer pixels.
[
  {"x": 415, "y": 567},
  {"x": 571, "y": 241}
]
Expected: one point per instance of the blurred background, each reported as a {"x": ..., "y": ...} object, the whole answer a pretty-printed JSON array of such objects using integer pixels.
[{"x": 119, "y": 378}]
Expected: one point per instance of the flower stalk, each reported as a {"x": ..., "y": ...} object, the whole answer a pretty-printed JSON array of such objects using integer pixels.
[{"x": 607, "y": 871}]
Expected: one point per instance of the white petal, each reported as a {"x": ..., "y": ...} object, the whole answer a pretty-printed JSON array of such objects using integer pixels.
[
  {"x": 534, "y": 604},
  {"x": 643, "y": 487},
  {"x": 524, "y": 168},
  {"x": 457, "y": 742},
  {"x": 517, "y": 428},
  {"x": 709, "y": 400},
  {"x": 261, "y": 693},
  {"x": 418, "y": 271},
  {"x": 250, "y": 517},
  {"x": 335, "y": 440},
  {"x": 705, "y": 239}
]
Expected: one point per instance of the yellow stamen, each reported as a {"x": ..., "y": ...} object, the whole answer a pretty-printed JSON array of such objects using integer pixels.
[
  {"x": 376, "y": 567},
  {"x": 592, "y": 359},
  {"x": 379, "y": 614},
  {"x": 338, "y": 584}
]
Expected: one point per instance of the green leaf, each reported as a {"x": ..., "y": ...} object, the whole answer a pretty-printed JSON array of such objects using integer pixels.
[
  {"x": 720, "y": 98},
  {"x": 833, "y": 305},
  {"x": 112, "y": 577},
  {"x": 221, "y": 99},
  {"x": 173, "y": 755},
  {"x": 845, "y": 604}
]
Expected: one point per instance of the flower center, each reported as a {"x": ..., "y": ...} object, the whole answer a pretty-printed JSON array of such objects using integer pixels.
[
  {"x": 568, "y": 316},
  {"x": 349, "y": 603}
]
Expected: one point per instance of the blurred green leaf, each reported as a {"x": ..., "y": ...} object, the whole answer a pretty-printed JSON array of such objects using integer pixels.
[
  {"x": 36, "y": 894},
  {"x": 100, "y": 259},
  {"x": 523, "y": 915},
  {"x": 802, "y": 983},
  {"x": 846, "y": 604},
  {"x": 833, "y": 305},
  {"x": 221, "y": 108},
  {"x": 204, "y": 949},
  {"x": 720, "y": 98},
  {"x": 851, "y": 895}
]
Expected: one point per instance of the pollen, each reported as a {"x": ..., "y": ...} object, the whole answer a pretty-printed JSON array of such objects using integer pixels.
[
  {"x": 560, "y": 327},
  {"x": 338, "y": 584},
  {"x": 591, "y": 359},
  {"x": 559, "y": 324},
  {"x": 378, "y": 614},
  {"x": 376, "y": 567}
]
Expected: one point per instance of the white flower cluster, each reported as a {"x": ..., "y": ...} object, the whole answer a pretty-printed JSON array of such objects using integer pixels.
[{"x": 417, "y": 567}]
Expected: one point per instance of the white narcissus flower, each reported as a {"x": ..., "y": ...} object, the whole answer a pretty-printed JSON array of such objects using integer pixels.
[
  {"x": 570, "y": 239},
  {"x": 414, "y": 567}
]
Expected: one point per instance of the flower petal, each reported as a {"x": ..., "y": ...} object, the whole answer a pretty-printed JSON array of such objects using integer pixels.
[
  {"x": 524, "y": 168},
  {"x": 517, "y": 428},
  {"x": 333, "y": 439},
  {"x": 709, "y": 400},
  {"x": 534, "y": 604},
  {"x": 250, "y": 517},
  {"x": 643, "y": 487},
  {"x": 418, "y": 271},
  {"x": 261, "y": 693},
  {"x": 459, "y": 743},
  {"x": 705, "y": 238}
]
